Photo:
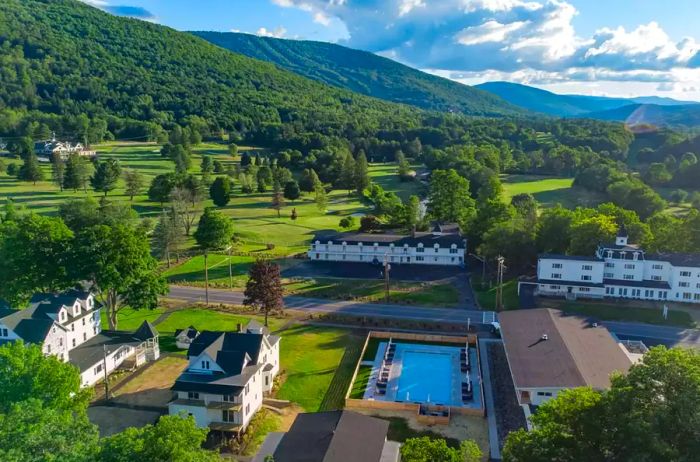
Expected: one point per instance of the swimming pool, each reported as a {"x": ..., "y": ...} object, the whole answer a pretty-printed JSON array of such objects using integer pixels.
[{"x": 425, "y": 377}]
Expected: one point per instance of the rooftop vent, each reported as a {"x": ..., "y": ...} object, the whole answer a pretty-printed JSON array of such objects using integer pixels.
[{"x": 544, "y": 337}]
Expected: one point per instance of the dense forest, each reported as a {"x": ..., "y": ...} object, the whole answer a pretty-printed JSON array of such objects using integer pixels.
[{"x": 365, "y": 73}]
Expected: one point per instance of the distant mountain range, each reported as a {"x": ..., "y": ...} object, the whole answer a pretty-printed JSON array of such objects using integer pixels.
[
  {"x": 365, "y": 73},
  {"x": 652, "y": 110}
]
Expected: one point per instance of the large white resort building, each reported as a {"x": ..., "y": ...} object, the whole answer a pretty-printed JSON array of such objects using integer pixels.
[
  {"x": 443, "y": 245},
  {"x": 620, "y": 270}
]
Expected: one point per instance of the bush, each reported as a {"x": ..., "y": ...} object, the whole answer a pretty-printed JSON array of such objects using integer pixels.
[
  {"x": 347, "y": 222},
  {"x": 369, "y": 223}
]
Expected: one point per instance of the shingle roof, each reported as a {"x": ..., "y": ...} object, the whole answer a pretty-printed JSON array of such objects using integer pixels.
[
  {"x": 574, "y": 354},
  {"x": 335, "y": 436},
  {"x": 641, "y": 284},
  {"x": 384, "y": 240},
  {"x": 691, "y": 260},
  {"x": 560, "y": 282},
  {"x": 91, "y": 352},
  {"x": 213, "y": 342},
  {"x": 555, "y": 256},
  {"x": 146, "y": 331},
  {"x": 189, "y": 332}
]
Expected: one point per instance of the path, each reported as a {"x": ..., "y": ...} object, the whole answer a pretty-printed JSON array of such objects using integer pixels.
[{"x": 494, "y": 447}]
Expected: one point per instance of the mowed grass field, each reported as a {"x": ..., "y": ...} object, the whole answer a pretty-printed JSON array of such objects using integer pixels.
[
  {"x": 255, "y": 222},
  {"x": 549, "y": 191}
]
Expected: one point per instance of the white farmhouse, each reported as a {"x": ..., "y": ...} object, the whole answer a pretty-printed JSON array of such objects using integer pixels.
[
  {"x": 48, "y": 148},
  {"x": 227, "y": 375},
  {"x": 68, "y": 325},
  {"x": 620, "y": 270},
  {"x": 443, "y": 245}
]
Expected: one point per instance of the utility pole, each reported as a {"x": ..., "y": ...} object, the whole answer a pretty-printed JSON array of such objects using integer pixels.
[
  {"x": 206, "y": 278},
  {"x": 483, "y": 268},
  {"x": 230, "y": 271},
  {"x": 387, "y": 268},
  {"x": 104, "y": 367},
  {"x": 499, "y": 282}
]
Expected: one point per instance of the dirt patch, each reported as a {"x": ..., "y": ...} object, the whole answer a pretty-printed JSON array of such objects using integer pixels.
[
  {"x": 111, "y": 420},
  {"x": 287, "y": 416},
  {"x": 152, "y": 386}
]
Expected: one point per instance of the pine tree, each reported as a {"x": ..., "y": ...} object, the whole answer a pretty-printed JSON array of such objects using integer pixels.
[
  {"x": 361, "y": 173},
  {"x": 135, "y": 183},
  {"x": 220, "y": 191},
  {"x": 106, "y": 176},
  {"x": 31, "y": 170},
  {"x": 347, "y": 172},
  {"x": 207, "y": 169},
  {"x": 76, "y": 174},
  {"x": 321, "y": 197},
  {"x": 58, "y": 170},
  {"x": 277, "y": 199}
]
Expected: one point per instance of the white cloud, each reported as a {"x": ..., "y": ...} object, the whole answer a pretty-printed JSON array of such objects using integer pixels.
[
  {"x": 490, "y": 31},
  {"x": 278, "y": 32}
]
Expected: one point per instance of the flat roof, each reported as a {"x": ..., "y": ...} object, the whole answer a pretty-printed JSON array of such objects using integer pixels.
[
  {"x": 575, "y": 353},
  {"x": 386, "y": 239}
]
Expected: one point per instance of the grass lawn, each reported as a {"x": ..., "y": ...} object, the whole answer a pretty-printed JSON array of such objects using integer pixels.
[
  {"x": 361, "y": 381},
  {"x": 204, "y": 319},
  {"x": 613, "y": 312},
  {"x": 262, "y": 423},
  {"x": 256, "y": 224},
  {"x": 487, "y": 297},
  {"x": 191, "y": 272},
  {"x": 385, "y": 175},
  {"x": 549, "y": 190},
  {"x": 372, "y": 290},
  {"x": 130, "y": 319},
  {"x": 318, "y": 363}
]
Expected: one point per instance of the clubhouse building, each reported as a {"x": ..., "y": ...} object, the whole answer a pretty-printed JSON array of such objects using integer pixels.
[
  {"x": 620, "y": 270},
  {"x": 443, "y": 245}
]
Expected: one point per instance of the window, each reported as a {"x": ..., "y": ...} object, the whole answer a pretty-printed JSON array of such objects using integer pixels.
[
  {"x": 657, "y": 267},
  {"x": 247, "y": 389},
  {"x": 556, "y": 265},
  {"x": 419, "y": 258},
  {"x": 228, "y": 416},
  {"x": 609, "y": 275},
  {"x": 453, "y": 250},
  {"x": 687, "y": 296},
  {"x": 556, "y": 276},
  {"x": 584, "y": 289},
  {"x": 656, "y": 278},
  {"x": 229, "y": 398},
  {"x": 73, "y": 343},
  {"x": 205, "y": 364},
  {"x": 696, "y": 297},
  {"x": 586, "y": 277},
  {"x": 60, "y": 342},
  {"x": 192, "y": 395},
  {"x": 629, "y": 266},
  {"x": 663, "y": 294},
  {"x": 84, "y": 336},
  {"x": 587, "y": 267},
  {"x": 697, "y": 286},
  {"x": 683, "y": 284},
  {"x": 97, "y": 369},
  {"x": 48, "y": 348},
  {"x": 72, "y": 327},
  {"x": 436, "y": 259},
  {"x": 317, "y": 256},
  {"x": 247, "y": 409},
  {"x": 267, "y": 380},
  {"x": 555, "y": 287},
  {"x": 609, "y": 291},
  {"x": 685, "y": 274},
  {"x": 628, "y": 277},
  {"x": 420, "y": 250},
  {"x": 436, "y": 249},
  {"x": 544, "y": 393},
  {"x": 4, "y": 333}
]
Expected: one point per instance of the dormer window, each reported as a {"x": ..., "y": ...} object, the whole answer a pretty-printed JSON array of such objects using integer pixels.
[
  {"x": 610, "y": 253},
  {"x": 205, "y": 364},
  {"x": 437, "y": 247},
  {"x": 62, "y": 316},
  {"x": 76, "y": 309},
  {"x": 636, "y": 255}
]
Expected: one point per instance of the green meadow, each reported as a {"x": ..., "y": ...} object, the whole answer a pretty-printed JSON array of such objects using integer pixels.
[{"x": 549, "y": 191}]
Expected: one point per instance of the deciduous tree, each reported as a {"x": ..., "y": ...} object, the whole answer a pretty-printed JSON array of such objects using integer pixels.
[
  {"x": 31, "y": 170},
  {"x": 264, "y": 289},
  {"x": 220, "y": 191},
  {"x": 135, "y": 183},
  {"x": 215, "y": 231}
]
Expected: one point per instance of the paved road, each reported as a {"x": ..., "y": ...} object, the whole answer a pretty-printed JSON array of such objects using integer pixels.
[
  {"x": 195, "y": 294},
  {"x": 650, "y": 334}
]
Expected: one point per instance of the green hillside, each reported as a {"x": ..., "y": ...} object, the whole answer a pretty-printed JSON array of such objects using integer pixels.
[
  {"x": 72, "y": 65},
  {"x": 365, "y": 73}
]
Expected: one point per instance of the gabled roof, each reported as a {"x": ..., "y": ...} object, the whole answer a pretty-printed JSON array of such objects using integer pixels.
[
  {"x": 146, "y": 331},
  {"x": 688, "y": 260},
  {"x": 189, "y": 332},
  {"x": 574, "y": 354},
  {"x": 385, "y": 240},
  {"x": 212, "y": 342},
  {"x": 87, "y": 354},
  {"x": 335, "y": 436},
  {"x": 555, "y": 256}
]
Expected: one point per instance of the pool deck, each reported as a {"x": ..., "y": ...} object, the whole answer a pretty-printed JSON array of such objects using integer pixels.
[{"x": 457, "y": 377}]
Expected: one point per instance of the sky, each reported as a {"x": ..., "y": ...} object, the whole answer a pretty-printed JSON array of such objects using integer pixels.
[{"x": 594, "y": 47}]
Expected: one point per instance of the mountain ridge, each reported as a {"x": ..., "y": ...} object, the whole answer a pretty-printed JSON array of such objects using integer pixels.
[{"x": 364, "y": 72}]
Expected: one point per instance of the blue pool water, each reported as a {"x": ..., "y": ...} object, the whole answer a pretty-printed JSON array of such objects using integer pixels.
[{"x": 425, "y": 376}]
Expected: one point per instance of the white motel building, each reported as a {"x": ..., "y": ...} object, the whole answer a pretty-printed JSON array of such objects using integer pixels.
[
  {"x": 620, "y": 270},
  {"x": 443, "y": 245}
]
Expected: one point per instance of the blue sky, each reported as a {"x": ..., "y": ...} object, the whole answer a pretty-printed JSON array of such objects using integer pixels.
[{"x": 611, "y": 47}]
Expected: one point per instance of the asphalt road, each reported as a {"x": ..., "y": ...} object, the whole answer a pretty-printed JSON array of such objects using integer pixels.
[
  {"x": 649, "y": 334},
  {"x": 195, "y": 294}
]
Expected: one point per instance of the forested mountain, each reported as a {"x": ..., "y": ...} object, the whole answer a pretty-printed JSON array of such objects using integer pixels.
[
  {"x": 652, "y": 114},
  {"x": 365, "y": 73},
  {"x": 666, "y": 111},
  {"x": 73, "y": 67}
]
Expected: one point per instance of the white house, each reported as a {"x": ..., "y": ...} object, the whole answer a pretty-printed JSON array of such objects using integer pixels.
[
  {"x": 227, "y": 375},
  {"x": 549, "y": 351},
  {"x": 620, "y": 270},
  {"x": 185, "y": 337},
  {"x": 48, "y": 148},
  {"x": 68, "y": 325},
  {"x": 443, "y": 245}
]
